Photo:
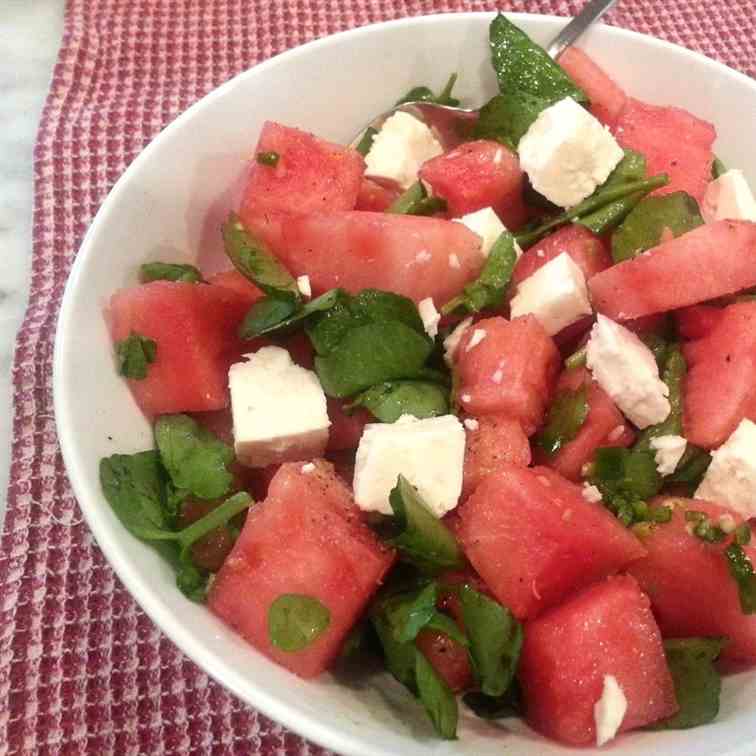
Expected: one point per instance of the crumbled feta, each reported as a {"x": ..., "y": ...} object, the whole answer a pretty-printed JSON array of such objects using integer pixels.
[
  {"x": 308, "y": 468},
  {"x": 303, "y": 284},
  {"x": 486, "y": 224},
  {"x": 669, "y": 451},
  {"x": 727, "y": 523},
  {"x": 429, "y": 453},
  {"x": 556, "y": 294},
  {"x": 401, "y": 146},
  {"x": 453, "y": 261},
  {"x": 430, "y": 316},
  {"x": 731, "y": 477},
  {"x": 609, "y": 710},
  {"x": 591, "y": 493},
  {"x": 279, "y": 409},
  {"x": 626, "y": 369},
  {"x": 451, "y": 342},
  {"x": 471, "y": 424},
  {"x": 567, "y": 153},
  {"x": 466, "y": 398},
  {"x": 729, "y": 197},
  {"x": 478, "y": 335}
]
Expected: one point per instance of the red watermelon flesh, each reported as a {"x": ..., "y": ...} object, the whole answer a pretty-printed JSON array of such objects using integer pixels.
[
  {"x": 194, "y": 327},
  {"x": 448, "y": 658},
  {"x": 711, "y": 261},
  {"x": 477, "y": 175},
  {"x": 232, "y": 279},
  {"x": 346, "y": 429},
  {"x": 375, "y": 195},
  {"x": 673, "y": 141},
  {"x": 311, "y": 174},
  {"x": 534, "y": 539},
  {"x": 689, "y": 583},
  {"x": 607, "y": 98},
  {"x": 697, "y": 321},
  {"x": 607, "y": 629},
  {"x": 512, "y": 371},
  {"x": 305, "y": 538}
]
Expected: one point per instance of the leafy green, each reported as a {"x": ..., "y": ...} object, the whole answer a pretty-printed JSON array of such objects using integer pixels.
[
  {"x": 577, "y": 359},
  {"x": 389, "y": 401},
  {"x": 742, "y": 572},
  {"x": 366, "y": 142},
  {"x": 496, "y": 707},
  {"x": 295, "y": 621},
  {"x": 488, "y": 290},
  {"x": 415, "y": 201},
  {"x": 506, "y": 118},
  {"x": 566, "y": 416},
  {"x": 159, "y": 271},
  {"x": 410, "y": 613},
  {"x": 134, "y": 354},
  {"x": 691, "y": 468},
  {"x": 717, "y": 168},
  {"x": 268, "y": 158},
  {"x": 658, "y": 345},
  {"x": 436, "y": 697},
  {"x": 425, "y": 94},
  {"x": 399, "y": 656},
  {"x": 196, "y": 460},
  {"x": 675, "y": 213},
  {"x": 703, "y": 527}
]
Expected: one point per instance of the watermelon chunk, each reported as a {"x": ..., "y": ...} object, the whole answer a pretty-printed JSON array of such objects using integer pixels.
[
  {"x": 673, "y": 141},
  {"x": 311, "y": 174},
  {"x": 194, "y": 327},
  {"x": 448, "y": 658},
  {"x": 534, "y": 539},
  {"x": 346, "y": 429},
  {"x": 375, "y": 195},
  {"x": 606, "y": 96},
  {"x": 477, "y": 175},
  {"x": 512, "y": 371},
  {"x": 604, "y": 426},
  {"x": 305, "y": 538},
  {"x": 689, "y": 583},
  {"x": 607, "y": 629},
  {"x": 232, "y": 279},
  {"x": 697, "y": 321},
  {"x": 712, "y": 260}
]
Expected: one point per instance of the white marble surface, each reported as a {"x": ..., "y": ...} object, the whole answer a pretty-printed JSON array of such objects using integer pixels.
[{"x": 30, "y": 33}]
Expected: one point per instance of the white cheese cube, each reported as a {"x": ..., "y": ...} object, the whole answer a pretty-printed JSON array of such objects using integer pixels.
[
  {"x": 279, "y": 409},
  {"x": 430, "y": 316},
  {"x": 303, "y": 284},
  {"x": 568, "y": 153},
  {"x": 609, "y": 710},
  {"x": 669, "y": 451},
  {"x": 729, "y": 198},
  {"x": 731, "y": 477},
  {"x": 626, "y": 369},
  {"x": 430, "y": 453},
  {"x": 486, "y": 224},
  {"x": 401, "y": 146},
  {"x": 451, "y": 342},
  {"x": 591, "y": 493},
  {"x": 556, "y": 294}
]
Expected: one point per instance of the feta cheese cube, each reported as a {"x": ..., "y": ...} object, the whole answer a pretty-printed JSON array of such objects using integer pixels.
[
  {"x": 279, "y": 409},
  {"x": 669, "y": 451},
  {"x": 731, "y": 477},
  {"x": 626, "y": 369},
  {"x": 303, "y": 284},
  {"x": 609, "y": 710},
  {"x": 430, "y": 453},
  {"x": 430, "y": 316},
  {"x": 451, "y": 342},
  {"x": 729, "y": 198},
  {"x": 567, "y": 153},
  {"x": 591, "y": 493},
  {"x": 556, "y": 294},
  {"x": 486, "y": 224},
  {"x": 401, "y": 146}
]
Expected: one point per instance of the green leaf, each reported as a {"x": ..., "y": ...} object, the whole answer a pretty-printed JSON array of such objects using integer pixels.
[
  {"x": 221, "y": 515},
  {"x": 409, "y": 613},
  {"x": 191, "y": 580},
  {"x": 495, "y": 638},
  {"x": 625, "y": 471},
  {"x": 295, "y": 621},
  {"x": 425, "y": 94},
  {"x": 566, "y": 416},
  {"x": 488, "y": 290},
  {"x": 742, "y": 572},
  {"x": 195, "y": 458},
  {"x": 691, "y": 468},
  {"x": 366, "y": 142},
  {"x": 444, "y": 624},
  {"x": 159, "y": 271},
  {"x": 399, "y": 657},
  {"x": 677, "y": 213},
  {"x": 496, "y": 707},
  {"x": 717, "y": 168},
  {"x": 506, "y": 118},
  {"x": 697, "y": 682},
  {"x": 577, "y": 359},
  {"x": 436, "y": 697},
  {"x": 415, "y": 201},
  {"x": 389, "y": 401},
  {"x": 134, "y": 354}
]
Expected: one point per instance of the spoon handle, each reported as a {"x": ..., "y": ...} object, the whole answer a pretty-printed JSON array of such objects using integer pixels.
[{"x": 591, "y": 13}]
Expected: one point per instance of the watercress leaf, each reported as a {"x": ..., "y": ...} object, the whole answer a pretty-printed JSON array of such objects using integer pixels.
[
  {"x": 389, "y": 401},
  {"x": 496, "y": 707},
  {"x": 436, "y": 697},
  {"x": 658, "y": 346},
  {"x": 717, "y": 168},
  {"x": 410, "y": 613},
  {"x": 415, "y": 201},
  {"x": 741, "y": 569},
  {"x": 366, "y": 141},
  {"x": 399, "y": 657},
  {"x": 691, "y": 468},
  {"x": 426, "y": 94},
  {"x": 194, "y": 457},
  {"x": 566, "y": 416},
  {"x": 160, "y": 271},
  {"x": 444, "y": 624},
  {"x": 221, "y": 515},
  {"x": 654, "y": 217},
  {"x": 495, "y": 638},
  {"x": 191, "y": 580},
  {"x": 295, "y": 621},
  {"x": 506, "y": 118},
  {"x": 374, "y": 305},
  {"x": 697, "y": 682},
  {"x": 626, "y": 472},
  {"x": 134, "y": 354}
]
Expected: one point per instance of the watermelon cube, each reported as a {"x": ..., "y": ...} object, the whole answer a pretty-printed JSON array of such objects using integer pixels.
[
  {"x": 311, "y": 174},
  {"x": 673, "y": 141},
  {"x": 697, "y": 321},
  {"x": 194, "y": 327},
  {"x": 511, "y": 371},
  {"x": 376, "y": 195},
  {"x": 477, "y": 175},
  {"x": 232, "y": 279},
  {"x": 346, "y": 428},
  {"x": 306, "y": 538},
  {"x": 448, "y": 658},
  {"x": 712, "y": 260},
  {"x": 688, "y": 581},
  {"x": 607, "y": 629},
  {"x": 534, "y": 539}
]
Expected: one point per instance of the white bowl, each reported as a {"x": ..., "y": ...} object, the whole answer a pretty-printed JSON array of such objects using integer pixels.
[{"x": 169, "y": 204}]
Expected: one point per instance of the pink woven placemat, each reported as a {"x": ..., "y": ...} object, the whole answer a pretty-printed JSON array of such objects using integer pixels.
[{"x": 82, "y": 669}]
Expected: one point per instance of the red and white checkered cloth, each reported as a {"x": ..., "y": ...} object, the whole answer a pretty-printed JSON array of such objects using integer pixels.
[{"x": 82, "y": 669}]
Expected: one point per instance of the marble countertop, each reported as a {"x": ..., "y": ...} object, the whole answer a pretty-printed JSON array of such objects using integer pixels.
[{"x": 30, "y": 34}]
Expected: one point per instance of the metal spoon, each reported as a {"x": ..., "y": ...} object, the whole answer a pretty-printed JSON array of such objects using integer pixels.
[{"x": 446, "y": 119}]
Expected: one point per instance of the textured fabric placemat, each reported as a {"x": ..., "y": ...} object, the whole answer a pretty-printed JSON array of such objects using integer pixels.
[{"x": 82, "y": 669}]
